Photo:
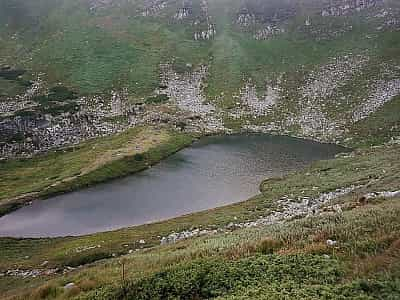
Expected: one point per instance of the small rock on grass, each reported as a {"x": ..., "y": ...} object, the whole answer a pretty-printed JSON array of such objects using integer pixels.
[{"x": 69, "y": 286}]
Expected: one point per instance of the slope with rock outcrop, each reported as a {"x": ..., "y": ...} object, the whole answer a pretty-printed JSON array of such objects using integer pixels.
[
  {"x": 318, "y": 68},
  {"x": 94, "y": 80}
]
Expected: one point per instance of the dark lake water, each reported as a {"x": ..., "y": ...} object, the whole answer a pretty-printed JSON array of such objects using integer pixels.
[{"x": 215, "y": 171}]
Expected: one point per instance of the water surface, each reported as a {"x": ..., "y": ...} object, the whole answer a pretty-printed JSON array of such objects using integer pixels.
[{"x": 214, "y": 171}]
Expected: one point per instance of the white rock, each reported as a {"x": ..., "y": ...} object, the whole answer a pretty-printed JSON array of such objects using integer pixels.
[
  {"x": 45, "y": 263},
  {"x": 337, "y": 208},
  {"x": 69, "y": 286},
  {"x": 331, "y": 242}
]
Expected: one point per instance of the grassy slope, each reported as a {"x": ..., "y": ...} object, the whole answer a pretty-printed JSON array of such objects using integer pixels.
[
  {"x": 115, "y": 47},
  {"x": 95, "y": 52},
  {"x": 379, "y": 127},
  {"x": 91, "y": 162},
  {"x": 380, "y": 163}
]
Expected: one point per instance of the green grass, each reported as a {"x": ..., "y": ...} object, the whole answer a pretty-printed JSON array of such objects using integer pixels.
[
  {"x": 96, "y": 52},
  {"x": 210, "y": 278},
  {"x": 93, "y": 52},
  {"x": 162, "y": 98}
]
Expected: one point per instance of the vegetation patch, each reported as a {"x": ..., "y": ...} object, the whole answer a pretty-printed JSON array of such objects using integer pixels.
[
  {"x": 206, "y": 279},
  {"x": 56, "y": 94},
  {"x": 161, "y": 98},
  {"x": 11, "y": 74}
]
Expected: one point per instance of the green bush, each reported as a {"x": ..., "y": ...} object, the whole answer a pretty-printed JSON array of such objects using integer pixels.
[
  {"x": 86, "y": 258},
  {"x": 161, "y": 98},
  {"x": 358, "y": 289},
  {"x": 138, "y": 157},
  {"x": 10, "y": 74},
  {"x": 268, "y": 246},
  {"x": 206, "y": 279},
  {"x": 44, "y": 292},
  {"x": 59, "y": 109},
  {"x": 26, "y": 113},
  {"x": 57, "y": 93},
  {"x": 61, "y": 93}
]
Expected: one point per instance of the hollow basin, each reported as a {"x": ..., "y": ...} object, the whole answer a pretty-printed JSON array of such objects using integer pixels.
[{"x": 214, "y": 171}]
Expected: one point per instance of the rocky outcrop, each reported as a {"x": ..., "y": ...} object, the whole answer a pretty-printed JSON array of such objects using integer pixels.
[
  {"x": 345, "y": 7},
  {"x": 384, "y": 194},
  {"x": 268, "y": 32},
  {"x": 204, "y": 27},
  {"x": 325, "y": 81},
  {"x": 206, "y": 34},
  {"x": 183, "y": 13},
  {"x": 267, "y": 20},
  {"x": 389, "y": 19},
  {"x": 30, "y": 273},
  {"x": 244, "y": 18},
  {"x": 383, "y": 92},
  {"x": 154, "y": 7},
  {"x": 287, "y": 209},
  {"x": 60, "y": 131},
  {"x": 260, "y": 105},
  {"x": 185, "y": 90},
  {"x": 10, "y": 107},
  {"x": 311, "y": 116},
  {"x": 99, "y": 4},
  {"x": 41, "y": 132}
]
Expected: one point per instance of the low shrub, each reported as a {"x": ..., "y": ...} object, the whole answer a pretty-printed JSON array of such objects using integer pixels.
[
  {"x": 44, "y": 292},
  {"x": 139, "y": 157},
  {"x": 72, "y": 292},
  {"x": 209, "y": 278},
  {"x": 87, "y": 284},
  {"x": 86, "y": 258},
  {"x": 161, "y": 98},
  {"x": 269, "y": 246},
  {"x": 61, "y": 93},
  {"x": 11, "y": 74}
]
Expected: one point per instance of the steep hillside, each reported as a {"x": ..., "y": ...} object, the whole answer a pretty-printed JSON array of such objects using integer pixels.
[{"x": 73, "y": 70}]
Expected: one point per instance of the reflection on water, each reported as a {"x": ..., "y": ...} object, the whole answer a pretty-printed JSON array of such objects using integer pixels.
[{"x": 213, "y": 172}]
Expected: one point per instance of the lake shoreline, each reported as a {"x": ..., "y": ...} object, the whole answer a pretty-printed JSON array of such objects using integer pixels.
[
  {"x": 12, "y": 204},
  {"x": 150, "y": 158},
  {"x": 216, "y": 171},
  {"x": 60, "y": 252}
]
